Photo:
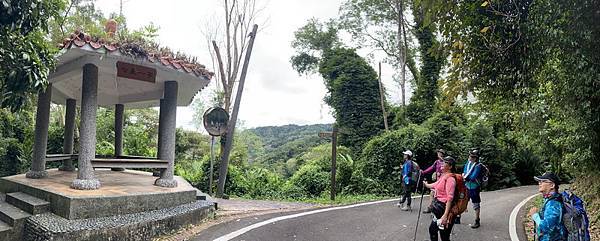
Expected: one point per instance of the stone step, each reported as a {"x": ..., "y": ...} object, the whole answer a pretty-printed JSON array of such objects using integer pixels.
[
  {"x": 28, "y": 203},
  {"x": 11, "y": 214},
  {"x": 5, "y": 230},
  {"x": 205, "y": 197}
]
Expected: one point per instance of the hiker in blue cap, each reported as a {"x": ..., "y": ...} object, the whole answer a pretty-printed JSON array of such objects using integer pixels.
[{"x": 549, "y": 220}]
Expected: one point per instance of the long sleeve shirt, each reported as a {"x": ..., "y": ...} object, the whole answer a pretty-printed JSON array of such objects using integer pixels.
[
  {"x": 471, "y": 172},
  {"x": 444, "y": 188},
  {"x": 436, "y": 166},
  {"x": 549, "y": 219}
]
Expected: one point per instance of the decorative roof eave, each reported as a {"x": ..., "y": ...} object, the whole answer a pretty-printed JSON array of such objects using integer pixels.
[{"x": 81, "y": 40}]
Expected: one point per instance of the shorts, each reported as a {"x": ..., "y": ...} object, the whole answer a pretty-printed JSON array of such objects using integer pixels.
[{"x": 474, "y": 195}]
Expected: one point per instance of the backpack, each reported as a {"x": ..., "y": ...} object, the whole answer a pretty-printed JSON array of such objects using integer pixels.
[
  {"x": 461, "y": 197},
  {"x": 484, "y": 175},
  {"x": 574, "y": 217},
  {"x": 415, "y": 171}
]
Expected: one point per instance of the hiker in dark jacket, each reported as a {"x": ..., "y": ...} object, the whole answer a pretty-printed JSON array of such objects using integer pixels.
[
  {"x": 471, "y": 173},
  {"x": 549, "y": 220},
  {"x": 444, "y": 194},
  {"x": 437, "y": 167},
  {"x": 407, "y": 182}
]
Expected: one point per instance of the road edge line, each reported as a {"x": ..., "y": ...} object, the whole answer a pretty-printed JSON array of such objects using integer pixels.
[
  {"x": 241, "y": 231},
  {"x": 512, "y": 220}
]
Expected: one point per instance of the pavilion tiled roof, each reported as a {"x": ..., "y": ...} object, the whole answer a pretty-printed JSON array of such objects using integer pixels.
[{"x": 164, "y": 57}]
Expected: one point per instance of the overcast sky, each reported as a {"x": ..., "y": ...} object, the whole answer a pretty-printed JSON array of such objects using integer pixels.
[{"x": 274, "y": 94}]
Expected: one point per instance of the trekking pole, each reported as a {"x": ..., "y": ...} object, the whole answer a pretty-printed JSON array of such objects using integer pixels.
[{"x": 420, "y": 206}]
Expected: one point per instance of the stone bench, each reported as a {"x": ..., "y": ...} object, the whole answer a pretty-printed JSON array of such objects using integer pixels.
[
  {"x": 129, "y": 163},
  {"x": 61, "y": 157}
]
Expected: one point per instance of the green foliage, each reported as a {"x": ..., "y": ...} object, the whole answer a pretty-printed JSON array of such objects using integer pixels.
[
  {"x": 310, "y": 41},
  {"x": 314, "y": 177},
  {"x": 191, "y": 145},
  {"x": 536, "y": 59},
  {"x": 382, "y": 155},
  {"x": 16, "y": 140},
  {"x": 26, "y": 56},
  {"x": 353, "y": 93},
  {"x": 278, "y": 147}
]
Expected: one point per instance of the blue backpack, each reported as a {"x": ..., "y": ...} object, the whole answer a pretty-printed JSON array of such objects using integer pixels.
[{"x": 574, "y": 217}]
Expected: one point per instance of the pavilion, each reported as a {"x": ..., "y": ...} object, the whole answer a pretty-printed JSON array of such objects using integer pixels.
[{"x": 92, "y": 73}]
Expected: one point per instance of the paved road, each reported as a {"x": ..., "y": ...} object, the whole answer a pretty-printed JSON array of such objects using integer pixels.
[{"x": 382, "y": 221}]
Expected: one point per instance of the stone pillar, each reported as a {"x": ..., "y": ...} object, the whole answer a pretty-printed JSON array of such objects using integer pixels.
[
  {"x": 119, "y": 120},
  {"x": 161, "y": 116},
  {"x": 70, "y": 113},
  {"x": 42, "y": 117},
  {"x": 87, "y": 140},
  {"x": 166, "y": 130}
]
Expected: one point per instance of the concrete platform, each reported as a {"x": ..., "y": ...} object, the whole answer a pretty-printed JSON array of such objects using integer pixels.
[{"x": 121, "y": 193}]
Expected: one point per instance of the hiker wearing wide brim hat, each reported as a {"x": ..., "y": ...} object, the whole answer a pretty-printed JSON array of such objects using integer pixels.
[
  {"x": 410, "y": 174},
  {"x": 471, "y": 173},
  {"x": 548, "y": 220},
  {"x": 437, "y": 167}
]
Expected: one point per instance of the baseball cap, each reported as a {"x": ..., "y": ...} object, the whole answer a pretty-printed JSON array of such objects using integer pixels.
[
  {"x": 474, "y": 153},
  {"x": 407, "y": 152},
  {"x": 441, "y": 151},
  {"x": 450, "y": 160},
  {"x": 548, "y": 176}
]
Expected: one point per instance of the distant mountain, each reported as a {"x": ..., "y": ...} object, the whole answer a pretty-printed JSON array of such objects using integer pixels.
[{"x": 284, "y": 142}]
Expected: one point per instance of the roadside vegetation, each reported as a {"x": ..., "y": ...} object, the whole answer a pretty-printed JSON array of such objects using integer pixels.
[{"x": 516, "y": 79}]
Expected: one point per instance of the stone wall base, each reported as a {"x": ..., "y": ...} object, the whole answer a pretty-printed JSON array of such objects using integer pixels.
[{"x": 134, "y": 227}]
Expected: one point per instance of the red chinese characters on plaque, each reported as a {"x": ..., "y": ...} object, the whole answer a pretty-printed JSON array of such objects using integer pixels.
[{"x": 136, "y": 72}]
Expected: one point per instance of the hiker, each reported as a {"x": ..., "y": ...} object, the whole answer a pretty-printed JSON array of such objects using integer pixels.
[
  {"x": 437, "y": 167},
  {"x": 548, "y": 220},
  {"x": 471, "y": 173},
  {"x": 444, "y": 194},
  {"x": 410, "y": 172}
]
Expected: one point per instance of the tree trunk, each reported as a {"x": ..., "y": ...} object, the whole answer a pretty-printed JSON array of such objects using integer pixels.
[{"x": 232, "y": 121}]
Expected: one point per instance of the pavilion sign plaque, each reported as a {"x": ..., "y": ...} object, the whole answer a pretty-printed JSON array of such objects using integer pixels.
[{"x": 136, "y": 72}]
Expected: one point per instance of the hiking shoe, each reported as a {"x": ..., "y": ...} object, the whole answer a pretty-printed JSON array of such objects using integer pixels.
[
  {"x": 406, "y": 208},
  {"x": 428, "y": 210},
  {"x": 476, "y": 224},
  {"x": 399, "y": 204}
]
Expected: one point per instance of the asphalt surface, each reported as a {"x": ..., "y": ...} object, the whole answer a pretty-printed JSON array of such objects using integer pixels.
[{"x": 382, "y": 221}]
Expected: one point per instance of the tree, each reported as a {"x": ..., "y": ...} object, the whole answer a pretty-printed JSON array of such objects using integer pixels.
[
  {"x": 353, "y": 93},
  {"x": 235, "y": 41},
  {"x": 26, "y": 56},
  {"x": 352, "y": 86},
  {"x": 382, "y": 25}
]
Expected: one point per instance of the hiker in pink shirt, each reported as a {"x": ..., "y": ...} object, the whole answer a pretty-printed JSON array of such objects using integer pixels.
[
  {"x": 437, "y": 166},
  {"x": 444, "y": 188}
]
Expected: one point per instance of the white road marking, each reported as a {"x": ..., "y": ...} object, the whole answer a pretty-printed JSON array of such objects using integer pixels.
[
  {"x": 239, "y": 232},
  {"x": 512, "y": 221}
]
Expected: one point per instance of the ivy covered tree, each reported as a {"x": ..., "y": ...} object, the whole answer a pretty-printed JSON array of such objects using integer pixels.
[
  {"x": 352, "y": 86},
  {"x": 353, "y": 94}
]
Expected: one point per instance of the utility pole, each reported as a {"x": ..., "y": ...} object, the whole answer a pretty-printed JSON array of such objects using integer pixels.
[
  {"x": 233, "y": 120},
  {"x": 385, "y": 123},
  {"x": 333, "y": 136}
]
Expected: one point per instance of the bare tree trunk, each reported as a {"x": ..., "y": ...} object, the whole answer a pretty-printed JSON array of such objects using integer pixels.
[
  {"x": 232, "y": 121},
  {"x": 401, "y": 38},
  {"x": 381, "y": 94}
]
